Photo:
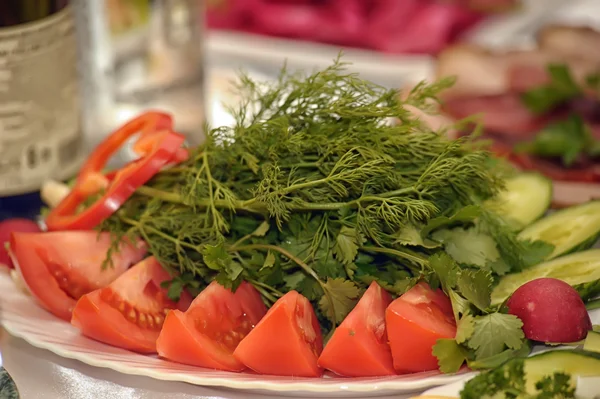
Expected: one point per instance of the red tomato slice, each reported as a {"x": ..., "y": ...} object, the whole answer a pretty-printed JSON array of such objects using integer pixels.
[
  {"x": 415, "y": 321},
  {"x": 287, "y": 341},
  {"x": 130, "y": 312},
  {"x": 9, "y": 226},
  {"x": 359, "y": 347},
  {"x": 208, "y": 333},
  {"x": 60, "y": 267}
]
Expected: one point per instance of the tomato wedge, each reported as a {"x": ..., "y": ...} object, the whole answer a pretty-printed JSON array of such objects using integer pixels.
[
  {"x": 359, "y": 347},
  {"x": 59, "y": 267},
  {"x": 287, "y": 341},
  {"x": 208, "y": 333},
  {"x": 158, "y": 145},
  {"x": 414, "y": 322},
  {"x": 9, "y": 226},
  {"x": 130, "y": 312}
]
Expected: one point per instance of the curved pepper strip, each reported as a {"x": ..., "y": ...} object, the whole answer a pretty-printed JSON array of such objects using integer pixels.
[{"x": 159, "y": 149}]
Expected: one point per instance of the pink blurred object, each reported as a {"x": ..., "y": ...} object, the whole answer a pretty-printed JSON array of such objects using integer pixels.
[{"x": 394, "y": 26}]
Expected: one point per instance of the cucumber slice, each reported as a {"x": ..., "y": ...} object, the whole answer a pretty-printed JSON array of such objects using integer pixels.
[
  {"x": 575, "y": 362},
  {"x": 526, "y": 198},
  {"x": 592, "y": 342},
  {"x": 580, "y": 270},
  {"x": 569, "y": 230}
]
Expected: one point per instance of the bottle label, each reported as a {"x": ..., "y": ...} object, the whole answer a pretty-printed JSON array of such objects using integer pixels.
[{"x": 40, "y": 133}]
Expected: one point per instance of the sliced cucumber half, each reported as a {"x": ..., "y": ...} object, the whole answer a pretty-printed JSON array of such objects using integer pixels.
[
  {"x": 569, "y": 230},
  {"x": 592, "y": 342},
  {"x": 580, "y": 270},
  {"x": 526, "y": 198}
]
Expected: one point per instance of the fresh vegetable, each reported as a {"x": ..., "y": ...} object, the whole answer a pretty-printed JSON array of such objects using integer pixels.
[
  {"x": 59, "y": 267},
  {"x": 359, "y": 346},
  {"x": 526, "y": 198},
  {"x": 415, "y": 321},
  {"x": 581, "y": 270},
  {"x": 157, "y": 146},
  {"x": 130, "y": 311},
  {"x": 572, "y": 229},
  {"x": 209, "y": 331},
  {"x": 9, "y": 226},
  {"x": 551, "y": 374},
  {"x": 287, "y": 341},
  {"x": 592, "y": 342},
  {"x": 551, "y": 311}
]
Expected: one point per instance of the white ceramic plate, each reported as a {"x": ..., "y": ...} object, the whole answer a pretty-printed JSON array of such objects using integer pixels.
[{"x": 23, "y": 318}]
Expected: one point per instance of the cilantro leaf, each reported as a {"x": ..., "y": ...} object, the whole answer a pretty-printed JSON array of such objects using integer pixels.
[
  {"x": 410, "y": 235},
  {"x": 500, "y": 267},
  {"x": 464, "y": 215},
  {"x": 215, "y": 257},
  {"x": 339, "y": 299},
  {"x": 346, "y": 245},
  {"x": 450, "y": 355},
  {"x": 469, "y": 247},
  {"x": 292, "y": 281},
  {"x": 445, "y": 268},
  {"x": 494, "y": 332},
  {"x": 465, "y": 328},
  {"x": 269, "y": 261},
  {"x": 476, "y": 287},
  {"x": 460, "y": 306},
  {"x": 262, "y": 229}
]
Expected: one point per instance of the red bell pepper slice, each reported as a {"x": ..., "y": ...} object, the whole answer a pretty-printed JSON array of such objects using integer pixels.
[{"x": 159, "y": 147}]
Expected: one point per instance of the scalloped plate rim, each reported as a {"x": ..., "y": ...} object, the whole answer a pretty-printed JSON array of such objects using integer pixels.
[{"x": 16, "y": 324}]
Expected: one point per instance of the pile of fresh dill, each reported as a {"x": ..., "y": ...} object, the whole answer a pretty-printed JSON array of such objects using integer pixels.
[{"x": 314, "y": 189}]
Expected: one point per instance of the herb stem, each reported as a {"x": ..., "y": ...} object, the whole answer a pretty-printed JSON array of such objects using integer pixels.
[
  {"x": 404, "y": 253},
  {"x": 160, "y": 194}
]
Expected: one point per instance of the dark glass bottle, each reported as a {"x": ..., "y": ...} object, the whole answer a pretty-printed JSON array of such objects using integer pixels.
[{"x": 40, "y": 135}]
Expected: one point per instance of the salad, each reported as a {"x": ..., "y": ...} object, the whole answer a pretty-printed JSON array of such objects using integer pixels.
[
  {"x": 539, "y": 105},
  {"x": 314, "y": 234}
]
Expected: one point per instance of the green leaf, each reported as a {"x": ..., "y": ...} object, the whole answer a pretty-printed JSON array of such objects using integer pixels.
[
  {"x": 262, "y": 229},
  {"x": 175, "y": 289},
  {"x": 561, "y": 88},
  {"x": 346, "y": 245},
  {"x": 476, "y": 287},
  {"x": 411, "y": 235},
  {"x": 469, "y": 247},
  {"x": 500, "y": 267},
  {"x": 269, "y": 261},
  {"x": 450, "y": 355},
  {"x": 216, "y": 257},
  {"x": 499, "y": 359},
  {"x": 465, "y": 328},
  {"x": 445, "y": 268},
  {"x": 292, "y": 281},
  {"x": 340, "y": 298},
  {"x": 460, "y": 306},
  {"x": 535, "y": 252},
  {"x": 566, "y": 140},
  {"x": 494, "y": 332},
  {"x": 467, "y": 214}
]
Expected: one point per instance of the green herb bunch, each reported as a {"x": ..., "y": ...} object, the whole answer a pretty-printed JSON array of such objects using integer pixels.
[{"x": 314, "y": 189}]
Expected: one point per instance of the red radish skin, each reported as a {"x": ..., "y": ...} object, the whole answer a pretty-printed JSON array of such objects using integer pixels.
[
  {"x": 551, "y": 311},
  {"x": 9, "y": 226}
]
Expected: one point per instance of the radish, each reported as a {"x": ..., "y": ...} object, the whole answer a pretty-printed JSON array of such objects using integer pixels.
[
  {"x": 551, "y": 311},
  {"x": 10, "y": 226}
]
